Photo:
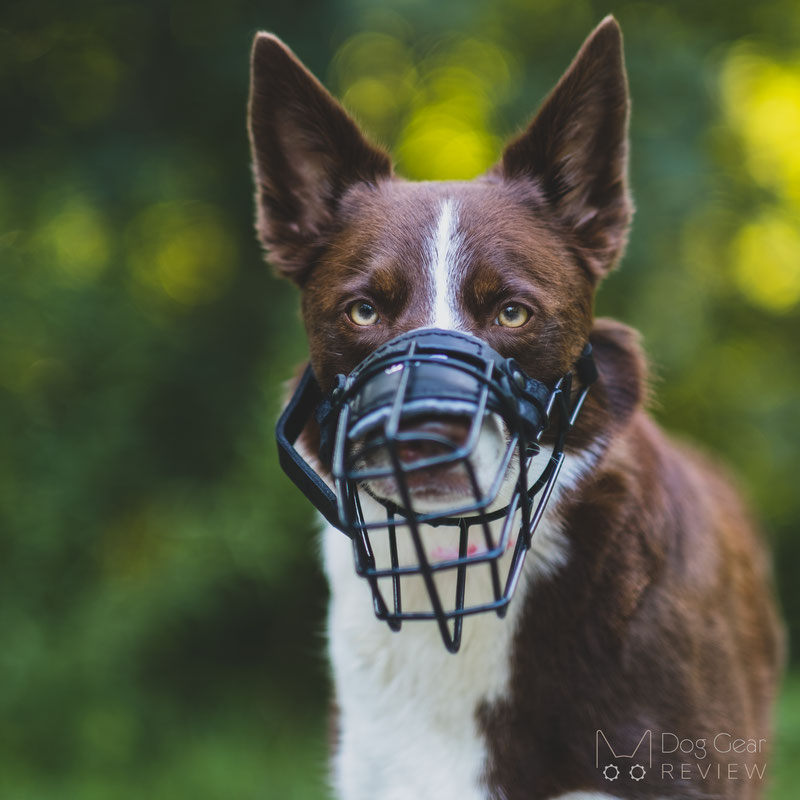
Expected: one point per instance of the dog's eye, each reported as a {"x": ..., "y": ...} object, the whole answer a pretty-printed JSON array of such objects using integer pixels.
[
  {"x": 363, "y": 313},
  {"x": 512, "y": 316}
]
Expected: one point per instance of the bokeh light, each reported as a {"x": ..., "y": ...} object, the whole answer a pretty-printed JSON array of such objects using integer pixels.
[
  {"x": 766, "y": 262},
  {"x": 74, "y": 241},
  {"x": 762, "y": 101},
  {"x": 183, "y": 250}
]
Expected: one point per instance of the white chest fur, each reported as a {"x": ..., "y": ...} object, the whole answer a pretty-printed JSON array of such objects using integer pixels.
[{"x": 407, "y": 725}]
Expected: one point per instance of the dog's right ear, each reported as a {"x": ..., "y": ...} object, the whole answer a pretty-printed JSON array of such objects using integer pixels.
[
  {"x": 306, "y": 152},
  {"x": 576, "y": 150}
]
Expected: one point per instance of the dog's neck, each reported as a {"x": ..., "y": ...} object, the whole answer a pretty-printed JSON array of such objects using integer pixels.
[{"x": 430, "y": 696}]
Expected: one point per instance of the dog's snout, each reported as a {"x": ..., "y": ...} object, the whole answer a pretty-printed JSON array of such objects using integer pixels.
[{"x": 429, "y": 438}]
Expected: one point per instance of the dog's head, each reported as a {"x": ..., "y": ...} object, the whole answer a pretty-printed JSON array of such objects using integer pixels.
[{"x": 513, "y": 257}]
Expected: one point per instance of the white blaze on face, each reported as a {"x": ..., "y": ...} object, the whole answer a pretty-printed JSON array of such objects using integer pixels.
[{"x": 443, "y": 257}]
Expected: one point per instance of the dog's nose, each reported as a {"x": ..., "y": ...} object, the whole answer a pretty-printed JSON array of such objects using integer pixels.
[{"x": 429, "y": 438}]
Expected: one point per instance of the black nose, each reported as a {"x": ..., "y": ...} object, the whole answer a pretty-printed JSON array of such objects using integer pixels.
[{"x": 421, "y": 439}]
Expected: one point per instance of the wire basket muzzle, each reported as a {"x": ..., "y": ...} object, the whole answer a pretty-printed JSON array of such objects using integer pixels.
[
  {"x": 413, "y": 410},
  {"x": 434, "y": 395}
]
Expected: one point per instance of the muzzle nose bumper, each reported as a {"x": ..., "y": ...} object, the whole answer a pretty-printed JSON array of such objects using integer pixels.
[
  {"x": 432, "y": 391},
  {"x": 420, "y": 413}
]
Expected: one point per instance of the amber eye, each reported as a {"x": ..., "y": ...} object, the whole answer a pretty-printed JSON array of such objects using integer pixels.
[
  {"x": 512, "y": 316},
  {"x": 362, "y": 313}
]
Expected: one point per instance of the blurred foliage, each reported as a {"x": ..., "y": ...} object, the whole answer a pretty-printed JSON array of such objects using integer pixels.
[{"x": 161, "y": 610}]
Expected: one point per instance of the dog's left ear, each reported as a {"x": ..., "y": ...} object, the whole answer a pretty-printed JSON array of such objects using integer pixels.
[
  {"x": 576, "y": 149},
  {"x": 306, "y": 152}
]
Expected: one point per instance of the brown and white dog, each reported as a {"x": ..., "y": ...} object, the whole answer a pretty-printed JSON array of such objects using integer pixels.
[{"x": 645, "y": 618}]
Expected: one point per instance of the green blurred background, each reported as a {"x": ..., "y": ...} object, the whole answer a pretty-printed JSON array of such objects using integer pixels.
[{"x": 161, "y": 608}]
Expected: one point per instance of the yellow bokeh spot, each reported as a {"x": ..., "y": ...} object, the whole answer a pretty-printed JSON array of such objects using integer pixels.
[
  {"x": 75, "y": 241},
  {"x": 447, "y": 135},
  {"x": 438, "y": 146},
  {"x": 766, "y": 263},
  {"x": 438, "y": 108},
  {"x": 464, "y": 94},
  {"x": 762, "y": 101},
  {"x": 373, "y": 101},
  {"x": 484, "y": 64},
  {"x": 370, "y": 54},
  {"x": 183, "y": 250},
  {"x": 374, "y": 74}
]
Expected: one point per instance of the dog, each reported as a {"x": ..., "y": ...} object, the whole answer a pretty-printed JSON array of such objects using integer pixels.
[{"x": 644, "y": 617}]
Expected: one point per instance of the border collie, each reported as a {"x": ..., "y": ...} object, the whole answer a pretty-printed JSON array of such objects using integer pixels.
[{"x": 640, "y": 654}]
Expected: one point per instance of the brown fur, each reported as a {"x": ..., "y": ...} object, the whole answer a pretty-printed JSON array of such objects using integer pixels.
[
  {"x": 663, "y": 617},
  {"x": 660, "y": 621}
]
